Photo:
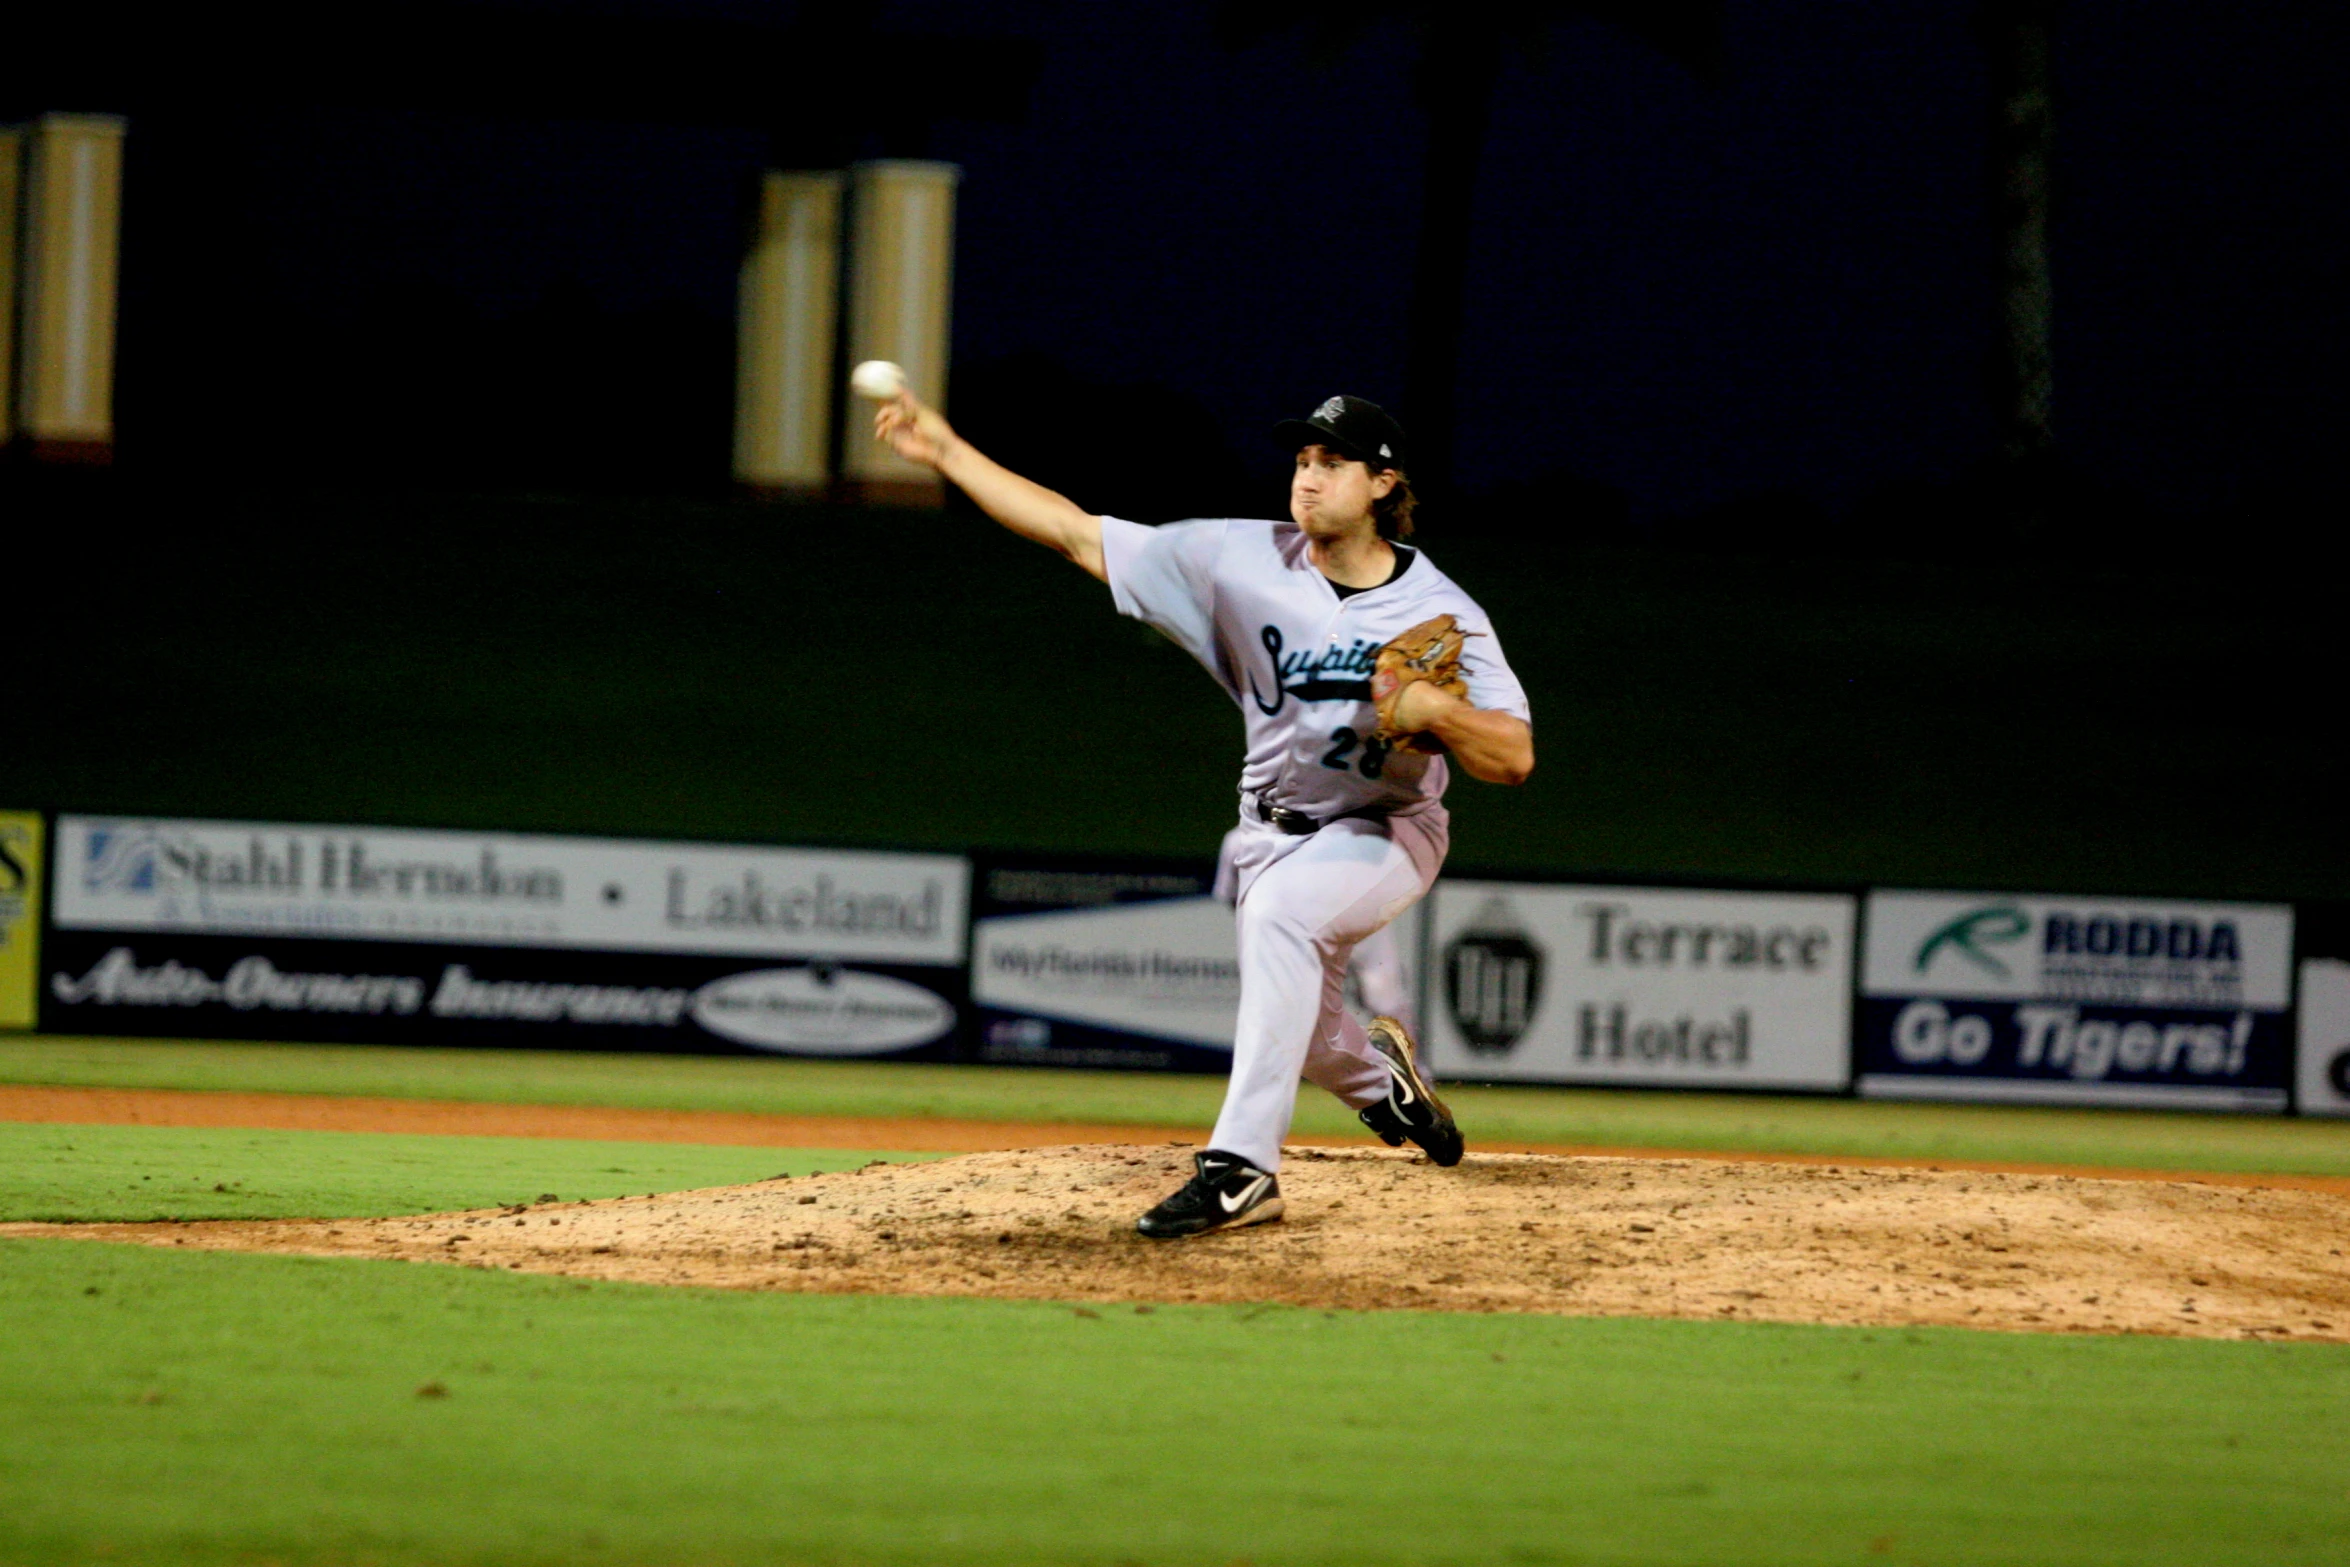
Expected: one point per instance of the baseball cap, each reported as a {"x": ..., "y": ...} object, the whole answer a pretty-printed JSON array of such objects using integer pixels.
[{"x": 1362, "y": 430}]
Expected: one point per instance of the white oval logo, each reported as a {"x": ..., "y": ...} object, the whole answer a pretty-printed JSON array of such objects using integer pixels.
[{"x": 821, "y": 1011}]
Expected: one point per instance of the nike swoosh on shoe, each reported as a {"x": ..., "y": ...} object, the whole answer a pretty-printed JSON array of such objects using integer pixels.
[{"x": 1233, "y": 1202}]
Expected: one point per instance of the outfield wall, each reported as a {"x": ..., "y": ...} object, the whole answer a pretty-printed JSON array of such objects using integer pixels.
[{"x": 255, "y": 930}]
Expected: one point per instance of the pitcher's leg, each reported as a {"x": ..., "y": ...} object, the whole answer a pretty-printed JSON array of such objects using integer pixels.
[
  {"x": 1297, "y": 921},
  {"x": 1280, "y": 995},
  {"x": 1379, "y": 974},
  {"x": 1341, "y": 1059}
]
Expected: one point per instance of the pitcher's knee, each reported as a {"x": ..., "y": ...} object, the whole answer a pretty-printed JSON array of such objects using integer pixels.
[{"x": 1261, "y": 922}]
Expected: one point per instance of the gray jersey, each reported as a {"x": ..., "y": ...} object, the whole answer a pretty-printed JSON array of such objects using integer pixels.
[{"x": 1243, "y": 598}]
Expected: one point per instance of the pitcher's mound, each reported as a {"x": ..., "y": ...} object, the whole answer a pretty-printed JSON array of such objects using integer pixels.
[{"x": 1503, "y": 1232}]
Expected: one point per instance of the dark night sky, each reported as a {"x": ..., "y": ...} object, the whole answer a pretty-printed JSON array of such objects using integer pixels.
[{"x": 1688, "y": 293}]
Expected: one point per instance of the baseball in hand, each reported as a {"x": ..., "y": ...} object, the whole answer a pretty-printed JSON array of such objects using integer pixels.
[{"x": 877, "y": 379}]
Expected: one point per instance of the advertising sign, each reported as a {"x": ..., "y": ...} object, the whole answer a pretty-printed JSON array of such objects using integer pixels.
[
  {"x": 1130, "y": 964},
  {"x": 277, "y": 987},
  {"x": 1654, "y": 986},
  {"x": 20, "y": 917},
  {"x": 508, "y": 890},
  {"x": 255, "y": 930},
  {"x": 1123, "y": 964},
  {"x": 2076, "y": 1000},
  {"x": 2322, "y": 1045}
]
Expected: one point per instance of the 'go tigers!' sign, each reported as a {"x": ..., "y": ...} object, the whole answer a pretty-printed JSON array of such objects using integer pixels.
[{"x": 2076, "y": 1000}]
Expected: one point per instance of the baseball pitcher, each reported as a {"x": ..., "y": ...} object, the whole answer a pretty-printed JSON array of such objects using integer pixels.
[{"x": 1363, "y": 675}]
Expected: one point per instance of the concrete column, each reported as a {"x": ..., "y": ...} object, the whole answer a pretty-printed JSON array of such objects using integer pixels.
[
  {"x": 72, "y": 245},
  {"x": 788, "y": 324},
  {"x": 901, "y": 285},
  {"x": 11, "y": 203}
]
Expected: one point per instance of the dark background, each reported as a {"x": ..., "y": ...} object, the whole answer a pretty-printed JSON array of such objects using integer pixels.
[
  {"x": 811, "y": 674},
  {"x": 421, "y": 509}
]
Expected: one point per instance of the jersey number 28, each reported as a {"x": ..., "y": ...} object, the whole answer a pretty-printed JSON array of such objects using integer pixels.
[{"x": 1342, "y": 743}]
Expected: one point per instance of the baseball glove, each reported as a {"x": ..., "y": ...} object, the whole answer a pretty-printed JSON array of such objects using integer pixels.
[{"x": 1430, "y": 651}]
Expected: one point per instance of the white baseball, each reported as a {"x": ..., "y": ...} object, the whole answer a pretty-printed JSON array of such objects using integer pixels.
[{"x": 877, "y": 379}]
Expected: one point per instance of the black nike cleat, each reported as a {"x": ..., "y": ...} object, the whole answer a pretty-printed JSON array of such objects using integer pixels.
[
  {"x": 1411, "y": 1109},
  {"x": 1227, "y": 1192}
]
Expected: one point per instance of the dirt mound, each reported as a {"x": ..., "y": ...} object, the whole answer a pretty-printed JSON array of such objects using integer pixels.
[{"x": 1503, "y": 1232}]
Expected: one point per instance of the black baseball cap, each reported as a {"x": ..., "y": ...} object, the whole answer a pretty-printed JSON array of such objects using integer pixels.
[{"x": 1362, "y": 430}]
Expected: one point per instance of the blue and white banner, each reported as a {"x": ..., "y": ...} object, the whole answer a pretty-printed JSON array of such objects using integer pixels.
[
  {"x": 2054, "y": 1000},
  {"x": 275, "y": 931},
  {"x": 1103, "y": 963}
]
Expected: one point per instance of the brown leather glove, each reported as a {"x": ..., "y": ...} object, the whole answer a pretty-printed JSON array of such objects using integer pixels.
[{"x": 1430, "y": 651}]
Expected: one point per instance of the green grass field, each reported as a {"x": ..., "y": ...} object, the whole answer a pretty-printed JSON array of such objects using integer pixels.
[
  {"x": 164, "y": 1407},
  {"x": 1758, "y": 1123},
  {"x": 72, "y": 1174}
]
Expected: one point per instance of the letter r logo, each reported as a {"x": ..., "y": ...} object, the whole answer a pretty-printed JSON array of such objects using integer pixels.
[{"x": 1968, "y": 934}]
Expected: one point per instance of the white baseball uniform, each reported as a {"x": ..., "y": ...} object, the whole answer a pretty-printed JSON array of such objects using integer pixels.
[
  {"x": 1376, "y": 966},
  {"x": 1295, "y": 652}
]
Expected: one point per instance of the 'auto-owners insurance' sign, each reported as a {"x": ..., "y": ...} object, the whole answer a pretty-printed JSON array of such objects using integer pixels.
[{"x": 2076, "y": 1000}]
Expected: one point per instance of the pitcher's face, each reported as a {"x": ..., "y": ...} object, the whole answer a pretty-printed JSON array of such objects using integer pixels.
[{"x": 1330, "y": 495}]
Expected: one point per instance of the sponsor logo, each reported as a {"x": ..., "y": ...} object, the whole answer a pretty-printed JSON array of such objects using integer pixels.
[
  {"x": 748, "y": 902},
  {"x": 1619, "y": 939},
  {"x": 118, "y": 860},
  {"x": 354, "y": 883},
  {"x": 2064, "y": 951},
  {"x": 255, "y": 983},
  {"x": 822, "y": 1010},
  {"x": 120, "y": 980},
  {"x": 1493, "y": 980},
  {"x": 143, "y": 862},
  {"x": 1968, "y": 935},
  {"x": 2097, "y": 956},
  {"x": 1612, "y": 1033},
  {"x": 459, "y": 994},
  {"x": 1233, "y": 1202},
  {"x": 1166, "y": 968},
  {"x": 1154, "y": 970}
]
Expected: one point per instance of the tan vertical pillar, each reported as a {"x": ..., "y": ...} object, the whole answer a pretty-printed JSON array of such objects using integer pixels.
[
  {"x": 72, "y": 244},
  {"x": 11, "y": 201},
  {"x": 901, "y": 284},
  {"x": 788, "y": 322}
]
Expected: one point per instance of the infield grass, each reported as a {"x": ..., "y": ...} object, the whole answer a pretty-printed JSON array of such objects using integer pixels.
[
  {"x": 162, "y": 1407},
  {"x": 1755, "y": 1123},
  {"x": 76, "y": 1174}
]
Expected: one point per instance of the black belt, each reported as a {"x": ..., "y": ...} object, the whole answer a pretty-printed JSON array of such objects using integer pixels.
[{"x": 1297, "y": 823}]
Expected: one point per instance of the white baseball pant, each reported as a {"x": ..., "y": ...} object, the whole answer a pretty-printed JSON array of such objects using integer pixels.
[
  {"x": 1304, "y": 903},
  {"x": 1382, "y": 983},
  {"x": 1380, "y": 979}
]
